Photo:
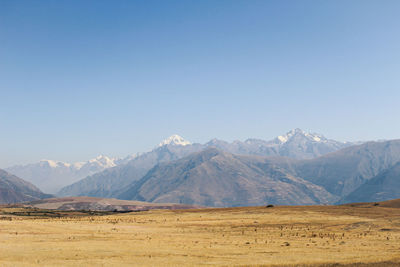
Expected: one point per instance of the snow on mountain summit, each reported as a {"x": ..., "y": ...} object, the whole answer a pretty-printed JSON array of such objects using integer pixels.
[
  {"x": 175, "y": 140},
  {"x": 53, "y": 164},
  {"x": 52, "y": 175},
  {"x": 299, "y": 133},
  {"x": 100, "y": 162}
]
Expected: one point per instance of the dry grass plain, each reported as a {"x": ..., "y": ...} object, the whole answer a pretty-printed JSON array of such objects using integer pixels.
[{"x": 254, "y": 236}]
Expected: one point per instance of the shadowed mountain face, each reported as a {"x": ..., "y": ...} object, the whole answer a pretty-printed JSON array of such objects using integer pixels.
[
  {"x": 344, "y": 171},
  {"x": 212, "y": 177},
  {"x": 216, "y": 178},
  {"x": 384, "y": 186},
  {"x": 14, "y": 189},
  {"x": 111, "y": 182}
]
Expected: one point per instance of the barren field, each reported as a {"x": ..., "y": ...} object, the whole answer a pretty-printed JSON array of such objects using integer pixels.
[{"x": 282, "y": 236}]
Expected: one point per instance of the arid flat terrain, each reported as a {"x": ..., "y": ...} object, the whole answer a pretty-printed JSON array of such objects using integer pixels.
[
  {"x": 281, "y": 236},
  {"x": 101, "y": 204}
]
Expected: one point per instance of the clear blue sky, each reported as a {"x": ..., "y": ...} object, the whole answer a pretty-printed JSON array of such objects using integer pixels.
[{"x": 82, "y": 78}]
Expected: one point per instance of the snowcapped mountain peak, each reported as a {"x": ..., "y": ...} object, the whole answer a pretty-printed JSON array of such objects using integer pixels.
[
  {"x": 282, "y": 138},
  {"x": 51, "y": 175},
  {"x": 175, "y": 140},
  {"x": 53, "y": 163},
  {"x": 102, "y": 159},
  {"x": 299, "y": 133},
  {"x": 316, "y": 137}
]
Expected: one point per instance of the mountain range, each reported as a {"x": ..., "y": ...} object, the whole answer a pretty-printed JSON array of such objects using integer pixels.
[
  {"x": 367, "y": 172},
  {"x": 296, "y": 144},
  {"x": 297, "y": 168},
  {"x": 216, "y": 178},
  {"x": 111, "y": 182},
  {"x": 50, "y": 175}
]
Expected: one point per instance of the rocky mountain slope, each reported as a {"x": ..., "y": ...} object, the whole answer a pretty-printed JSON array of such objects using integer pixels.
[
  {"x": 216, "y": 178},
  {"x": 384, "y": 186},
  {"x": 342, "y": 172},
  {"x": 110, "y": 182},
  {"x": 367, "y": 172},
  {"x": 14, "y": 189},
  {"x": 295, "y": 168}
]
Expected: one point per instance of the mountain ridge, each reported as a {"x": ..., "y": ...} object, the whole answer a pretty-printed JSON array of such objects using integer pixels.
[
  {"x": 339, "y": 173},
  {"x": 215, "y": 178},
  {"x": 14, "y": 189},
  {"x": 51, "y": 175},
  {"x": 110, "y": 182},
  {"x": 287, "y": 178},
  {"x": 384, "y": 186}
]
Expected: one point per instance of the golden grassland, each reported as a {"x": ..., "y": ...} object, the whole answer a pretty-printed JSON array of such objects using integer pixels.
[{"x": 252, "y": 236}]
